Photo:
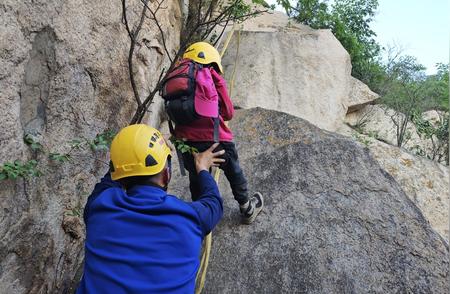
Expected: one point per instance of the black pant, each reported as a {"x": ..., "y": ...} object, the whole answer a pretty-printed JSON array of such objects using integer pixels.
[{"x": 230, "y": 167}]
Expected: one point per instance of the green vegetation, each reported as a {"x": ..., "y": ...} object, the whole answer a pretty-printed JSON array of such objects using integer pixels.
[
  {"x": 19, "y": 169},
  {"x": 436, "y": 88},
  {"x": 102, "y": 141},
  {"x": 182, "y": 146},
  {"x": 31, "y": 141},
  {"x": 16, "y": 169},
  {"x": 58, "y": 157},
  {"x": 363, "y": 139},
  {"x": 76, "y": 211},
  {"x": 437, "y": 133},
  {"x": 409, "y": 91}
]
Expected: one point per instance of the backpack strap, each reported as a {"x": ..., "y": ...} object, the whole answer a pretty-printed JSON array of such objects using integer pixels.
[
  {"x": 179, "y": 154},
  {"x": 216, "y": 129},
  {"x": 217, "y": 125}
]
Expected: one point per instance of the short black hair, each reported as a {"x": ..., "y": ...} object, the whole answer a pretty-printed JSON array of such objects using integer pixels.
[
  {"x": 129, "y": 182},
  {"x": 215, "y": 66}
]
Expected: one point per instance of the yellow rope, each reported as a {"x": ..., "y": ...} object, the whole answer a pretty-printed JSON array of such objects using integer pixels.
[
  {"x": 206, "y": 250},
  {"x": 227, "y": 41},
  {"x": 233, "y": 75},
  {"x": 201, "y": 274}
]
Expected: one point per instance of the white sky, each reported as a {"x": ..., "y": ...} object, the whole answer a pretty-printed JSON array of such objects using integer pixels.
[{"x": 420, "y": 27}]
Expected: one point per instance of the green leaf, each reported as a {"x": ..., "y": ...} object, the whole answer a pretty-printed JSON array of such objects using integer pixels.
[
  {"x": 76, "y": 144},
  {"x": 30, "y": 141},
  {"x": 59, "y": 157},
  {"x": 102, "y": 141}
]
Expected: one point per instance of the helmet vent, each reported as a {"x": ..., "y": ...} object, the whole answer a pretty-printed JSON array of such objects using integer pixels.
[
  {"x": 150, "y": 161},
  {"x": 201, "y": 55}
]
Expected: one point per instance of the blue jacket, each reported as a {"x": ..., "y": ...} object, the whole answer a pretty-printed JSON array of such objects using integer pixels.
[{"x": 144, "y": 240}]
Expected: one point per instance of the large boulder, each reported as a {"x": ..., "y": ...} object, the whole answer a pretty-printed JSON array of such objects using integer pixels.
[
  {"x": 63, "y": 76},
  {"x": 301, "y": 71},
  {"x": 426, "y": 182},
  {"x": 334, "y": 221}
]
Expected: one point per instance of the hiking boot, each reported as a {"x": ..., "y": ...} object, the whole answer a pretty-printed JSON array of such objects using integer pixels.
[{"x": 252, "y": 208}]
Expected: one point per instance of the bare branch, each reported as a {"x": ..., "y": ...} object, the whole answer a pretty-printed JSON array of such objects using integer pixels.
[
  {"x": 159, "y": 26},
  {"x": 222, "y": 19},
  {"x": 221, "y": 34},
  {"x": 160, "y": 3},
  {"x": 213, "y": 5},
  {"x": 201, "y": 24},
  {"x": 133, "y": 37},
  {"x": 220, "y": 16},
  {"x": 140, "y": 112},
  {"x": 208, "y": 13},
  {"x": 125, "y": 19},
  {"x": 199, "y": 11}
]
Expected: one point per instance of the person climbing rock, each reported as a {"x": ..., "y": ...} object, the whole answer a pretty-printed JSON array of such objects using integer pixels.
[
  {"x": 209, "y": 108},
  {"x": 139, "y": 239}
]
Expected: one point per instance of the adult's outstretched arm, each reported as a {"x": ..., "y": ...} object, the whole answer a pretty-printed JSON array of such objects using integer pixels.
[{"x": 209, "y": 205}]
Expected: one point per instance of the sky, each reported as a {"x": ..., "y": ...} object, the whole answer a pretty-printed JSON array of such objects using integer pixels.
[{"x": 419, "y": 27}]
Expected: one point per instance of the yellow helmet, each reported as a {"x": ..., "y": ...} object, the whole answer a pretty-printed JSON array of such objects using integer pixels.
[
  {"x": 138, "y": 150},
  {"x": 204, "y": 53}
]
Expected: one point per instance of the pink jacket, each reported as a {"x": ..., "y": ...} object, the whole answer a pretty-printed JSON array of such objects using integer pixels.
[{"x": 203, "y": 128}]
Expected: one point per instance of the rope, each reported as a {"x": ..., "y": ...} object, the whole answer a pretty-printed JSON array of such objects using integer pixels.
[
  {"x": 233, "y": 75},
  {"x": 201, "y": 274},
  {"x": 206, "y": 250},
  {"x": 227, "y": 41}
]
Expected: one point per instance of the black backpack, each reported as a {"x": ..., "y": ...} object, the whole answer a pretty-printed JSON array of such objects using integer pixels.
[{"x": 178, "y": 92}]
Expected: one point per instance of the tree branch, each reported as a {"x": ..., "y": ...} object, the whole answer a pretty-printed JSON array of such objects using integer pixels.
[
  {"x": 221, "y": 34},
  {"x": 153, "y": 13},
  {"x": 125, "y": 19},
  {"x": 203, "y": 24},
  {"x": 133, "y": 36}
]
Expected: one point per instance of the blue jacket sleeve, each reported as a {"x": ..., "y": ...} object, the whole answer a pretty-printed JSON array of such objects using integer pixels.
[
  {"x": 105, "y": 183},
  {"x": 209, "y": 205}
]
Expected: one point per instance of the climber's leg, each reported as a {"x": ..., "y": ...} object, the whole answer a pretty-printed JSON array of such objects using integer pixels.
[
  {"x": 249, "y": 207},
  {"x": 234, "y": 173},
  {"x": 189, "y": 164}
]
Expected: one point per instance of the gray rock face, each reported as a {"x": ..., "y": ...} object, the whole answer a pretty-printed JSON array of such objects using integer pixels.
[
  {"x": 334, "y": 221},
  {"x": 63, "y": 76},
  {"x": 426, "y": 182}
]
